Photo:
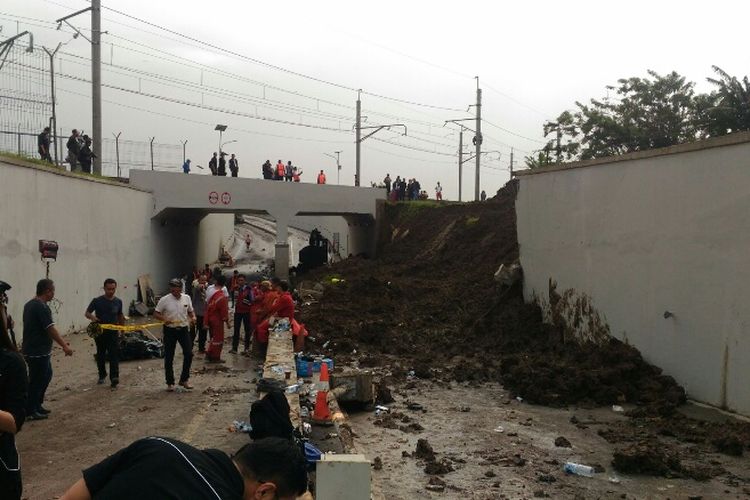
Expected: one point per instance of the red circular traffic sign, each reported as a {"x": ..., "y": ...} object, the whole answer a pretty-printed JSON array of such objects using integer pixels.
[
  {"x": 226, "y": 198},
  {"x": 213, "y": 197}
]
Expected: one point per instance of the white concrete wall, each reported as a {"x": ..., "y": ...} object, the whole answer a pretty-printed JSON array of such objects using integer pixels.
[
  {"x": 648, "y": 235},
  {"x": 103, "y": 229},
  {"x": 214, "y": 230}
]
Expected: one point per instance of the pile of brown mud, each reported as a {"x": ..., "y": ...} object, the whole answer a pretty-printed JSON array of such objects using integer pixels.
[{"x": 429, "y": 304}]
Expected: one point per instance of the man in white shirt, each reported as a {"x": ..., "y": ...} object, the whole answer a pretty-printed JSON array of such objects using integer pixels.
[
  {"x": 438, "y": 192},
  {"x": 176, "y": 311}
]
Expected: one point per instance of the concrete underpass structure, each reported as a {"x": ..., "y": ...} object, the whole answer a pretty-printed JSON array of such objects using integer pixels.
[{"x": 181, "y": 201}]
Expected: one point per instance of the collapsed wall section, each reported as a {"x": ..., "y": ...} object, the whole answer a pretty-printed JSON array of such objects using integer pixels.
[{"x": 653, "y": 248}]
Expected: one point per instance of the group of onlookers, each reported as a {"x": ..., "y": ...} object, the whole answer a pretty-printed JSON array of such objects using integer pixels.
[{"x": 79, "y": 157}]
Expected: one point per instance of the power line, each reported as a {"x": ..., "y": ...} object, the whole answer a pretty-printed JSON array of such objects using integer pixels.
[
  {"x": 274, "y": 66},
  {"x": 197, "y": 105},
  {"x": 513, "y": 133}
]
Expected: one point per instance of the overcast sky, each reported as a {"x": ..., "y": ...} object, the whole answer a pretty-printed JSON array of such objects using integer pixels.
[{"x": 534, "y": 60}]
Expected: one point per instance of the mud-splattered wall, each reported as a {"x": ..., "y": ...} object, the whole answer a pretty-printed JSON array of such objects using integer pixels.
[
  {"x": 653, "y": 248},
  {"x": 104, "y": 230}
]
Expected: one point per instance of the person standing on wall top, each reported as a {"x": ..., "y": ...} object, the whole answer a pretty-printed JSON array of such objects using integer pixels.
[
  {"x": 387, "y": 182},
  {"x": 85, "y": 155},
  {"x": 483, "y": 196},
  {"x": 74, "y": 147},
  {"x": 296, "y": 173},
  {"x": 14, "y": 384},
  {"x": 321, "y": 177},
  {"x": 288, "y": 172},
  {"x": 234, "y": 166},
  {"x": 438, "y": 192},
  {"x": 267, "y": 170},
  {"x": 176, "y": 311},
  {"x": 213, "y": 164},
  {"x": 107, "y": 309},
  {"x": 242, "y": 314},
  {"x": 39, "y": 331},
  {"x": 280, "y": 169},
  {"x": 43, "y": 142},
  {"x": 186, "y": 166},
  {"x": 222, "y": 171},
  {"x": 199, "y": 307}
]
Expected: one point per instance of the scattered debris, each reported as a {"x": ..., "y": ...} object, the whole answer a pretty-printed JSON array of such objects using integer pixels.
[{"x": 562, "y": 442}]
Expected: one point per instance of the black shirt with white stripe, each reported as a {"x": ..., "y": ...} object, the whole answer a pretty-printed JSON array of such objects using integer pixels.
[{"x": 162, "y": 468}]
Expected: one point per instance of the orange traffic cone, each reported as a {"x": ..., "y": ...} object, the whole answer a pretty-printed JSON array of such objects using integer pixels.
[
  {"x": 321, "y": 414},
  {"x": 323, "y": 380}
]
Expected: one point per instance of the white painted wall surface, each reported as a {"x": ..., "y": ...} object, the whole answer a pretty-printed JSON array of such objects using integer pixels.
[
  {"x": 645, "y": 236},
  {"x": 214, "y": 230},
  {"x": 103, "y": 230}
]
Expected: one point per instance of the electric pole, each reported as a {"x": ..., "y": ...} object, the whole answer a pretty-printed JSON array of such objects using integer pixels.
[
  {"x": 96, "y": 74},
  {"x": 376, "y": 128},
  {"x": 478, "y": 140},
  {"x": 53, "y": 125},
  {"x": 511, "y": 163},
  {"x": 358, "y": 126},
  {"x": 460, "y": 162},
  {"x": 96, "y": 82}
]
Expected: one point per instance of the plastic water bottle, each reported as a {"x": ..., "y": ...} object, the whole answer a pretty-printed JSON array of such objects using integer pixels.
[{"x": 578, "y": 469}]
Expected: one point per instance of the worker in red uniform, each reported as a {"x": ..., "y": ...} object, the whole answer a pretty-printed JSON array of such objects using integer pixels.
[
  {"x": 217, "y": 315},
  {"x": 321, "y": 177},
  {"x": 283, "y": 307},
  {"x": 255, "y": 309},
  {"x": 280, "y": 170}
]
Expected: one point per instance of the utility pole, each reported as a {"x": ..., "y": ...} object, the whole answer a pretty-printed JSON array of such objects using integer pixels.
[
  {"x": 96, "y": 82},
  {"x": 151, "y": 145},
  {"x": 460, "y": 162},
  {"x": 96, "y": 75},
  {"x": 478, "y": 140},
  {"x": 184, "y": 157},
  {"x": 53, "y": 125},
  {"x": 511, "y": 163},
  {"x": 358, "y": 126}
]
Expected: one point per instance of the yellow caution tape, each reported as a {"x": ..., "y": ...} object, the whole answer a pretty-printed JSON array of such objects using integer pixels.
[{"x": 128, "y": 328}]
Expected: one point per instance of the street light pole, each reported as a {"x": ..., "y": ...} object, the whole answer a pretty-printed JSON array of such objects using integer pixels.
[{"x": 338, "y": 165}]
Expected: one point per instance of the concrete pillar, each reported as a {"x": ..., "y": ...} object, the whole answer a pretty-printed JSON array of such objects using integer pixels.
[
  {"x": 281, "y": 256},
  {"x": 281, "y": 261}
]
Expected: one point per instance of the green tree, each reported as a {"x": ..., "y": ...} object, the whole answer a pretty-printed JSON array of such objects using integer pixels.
[
  {"x": 644, "y": 113},
  {"x": 728, "y": 108}
]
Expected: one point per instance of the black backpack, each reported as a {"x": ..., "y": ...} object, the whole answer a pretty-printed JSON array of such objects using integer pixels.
[{"x": 269, "y": 417}]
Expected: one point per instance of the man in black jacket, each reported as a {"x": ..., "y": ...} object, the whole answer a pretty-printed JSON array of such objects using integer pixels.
[{"x": 156, "y": 467}]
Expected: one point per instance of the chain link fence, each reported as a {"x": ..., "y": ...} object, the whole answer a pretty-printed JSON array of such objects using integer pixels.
[
  {"x": 26, "y": 109},
  {"x": 118, "y": 155}
]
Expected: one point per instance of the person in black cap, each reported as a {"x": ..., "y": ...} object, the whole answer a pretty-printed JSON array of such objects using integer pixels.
[
  {"x": 14, "y": 384},
  {"x": 176, "y": 311}
]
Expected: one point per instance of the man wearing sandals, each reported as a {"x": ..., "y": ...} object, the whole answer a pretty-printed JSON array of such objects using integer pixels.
[{"x": 176, "y": 311}]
